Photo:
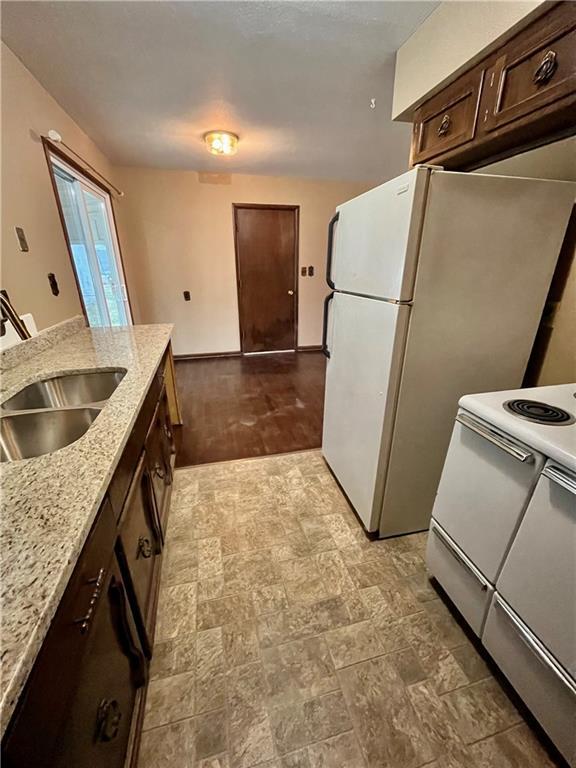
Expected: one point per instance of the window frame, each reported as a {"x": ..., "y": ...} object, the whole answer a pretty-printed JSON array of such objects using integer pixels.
[{"x": 52, "y": 154}]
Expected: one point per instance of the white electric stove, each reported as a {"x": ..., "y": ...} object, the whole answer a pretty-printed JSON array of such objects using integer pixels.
[{"x": 503, "y": 542}]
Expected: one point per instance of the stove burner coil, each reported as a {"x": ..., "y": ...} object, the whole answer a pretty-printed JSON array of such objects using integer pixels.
[{"x": 541, "y": 413}]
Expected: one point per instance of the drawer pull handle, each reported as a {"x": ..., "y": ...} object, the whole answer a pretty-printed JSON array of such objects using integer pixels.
[
  {"x": 108, "y": 719},
  {"x": 514, "y": 449},
  {"x": 445, "y": 125},
  {"x": 457, "y": 556},
  {"x": 533, "y": 644},
  {"x": 132, "y": 651},
  {"x": 144, "y": 547},
  {"x": 85, "y": 620},
  {"x": 546, "y": 69}
]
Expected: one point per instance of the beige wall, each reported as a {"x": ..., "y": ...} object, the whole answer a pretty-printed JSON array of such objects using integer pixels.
[
  {"x": 28, "y": 200},
  {"x": 454, "y": 33},
  {"x": 178, "y": 236},
  {"x": 555, "y": 161}
]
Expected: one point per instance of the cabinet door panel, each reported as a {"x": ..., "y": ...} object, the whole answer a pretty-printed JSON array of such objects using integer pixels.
[
  {"x": 122, "y": 478},
  {"x": 447, "y": 120},
  {"x": 100, "y": 715},
  {"x": 159, "y": 453},
  {"x": 140, "y": 547},
  {"x": 534, "y": 70},
  {"x": 91, "y": 653}
]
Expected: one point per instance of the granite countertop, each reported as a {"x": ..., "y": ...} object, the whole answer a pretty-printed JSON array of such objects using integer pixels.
[{"x": 49, "y": 503}]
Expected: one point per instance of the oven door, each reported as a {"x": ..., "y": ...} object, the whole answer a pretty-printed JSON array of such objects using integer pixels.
[
  {"x": 486, "y": 483},
  {"x": 538, "y": 579}
]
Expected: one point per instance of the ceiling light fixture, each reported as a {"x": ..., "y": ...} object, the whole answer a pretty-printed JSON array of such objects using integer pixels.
[{"x": 221, "y": 142}]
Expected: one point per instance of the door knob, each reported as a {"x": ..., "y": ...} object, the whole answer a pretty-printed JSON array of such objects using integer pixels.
[{"x": 290, "y": 293}]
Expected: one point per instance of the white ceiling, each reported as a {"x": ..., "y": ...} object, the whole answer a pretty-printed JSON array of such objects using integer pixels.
[{"x": 293, "y": 79}]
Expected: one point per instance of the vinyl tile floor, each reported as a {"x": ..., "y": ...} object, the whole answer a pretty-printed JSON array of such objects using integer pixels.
[{"x": 286, "y": 639}]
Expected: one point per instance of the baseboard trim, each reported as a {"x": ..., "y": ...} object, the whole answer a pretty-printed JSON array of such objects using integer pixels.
[
  {"x": 239, "y": 353},
  {"x": 204, "y": 355}
]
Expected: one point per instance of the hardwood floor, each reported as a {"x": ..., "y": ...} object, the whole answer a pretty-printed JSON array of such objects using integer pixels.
[{"x": 238, "y": 407}]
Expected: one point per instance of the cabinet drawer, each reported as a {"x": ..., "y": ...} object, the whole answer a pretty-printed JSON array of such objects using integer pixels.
[
  {"x": 140, "y": 546},
  {"x": 448, "y": 120},
  {"x": 459, "y": 577},
  {"x": 535, "y": 70},
  {"x": 547, "y": 690}
]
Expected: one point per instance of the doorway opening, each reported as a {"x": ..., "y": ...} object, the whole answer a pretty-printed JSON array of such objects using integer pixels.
[
  {"x": 266, "y": 242},
  {"x": 90, "y": 230}
]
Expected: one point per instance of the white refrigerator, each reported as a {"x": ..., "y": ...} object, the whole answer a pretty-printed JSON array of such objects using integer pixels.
[{"x": 438, "y": 284}]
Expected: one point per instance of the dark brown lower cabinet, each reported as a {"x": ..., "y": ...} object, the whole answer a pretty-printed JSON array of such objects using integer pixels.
[
  {"x": 82, "y": 704},
  {"x": 77, "y": 707}
]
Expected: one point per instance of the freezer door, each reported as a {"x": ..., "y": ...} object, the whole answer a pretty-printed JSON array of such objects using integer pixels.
[
  {"x": 376, "y": 237},
  {"x": 365, "y": 341}
]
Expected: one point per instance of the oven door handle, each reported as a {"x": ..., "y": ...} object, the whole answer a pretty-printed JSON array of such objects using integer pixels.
[
  {"x": 534, "y": 645},
  {"x": 559, "y": 476},
  {"x": 512, "y": 448}
]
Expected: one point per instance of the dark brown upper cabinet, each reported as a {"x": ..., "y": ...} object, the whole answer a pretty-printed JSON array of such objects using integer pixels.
[
  {"x": 448, "y": 120},
  {"x": 520, "y": 96}
]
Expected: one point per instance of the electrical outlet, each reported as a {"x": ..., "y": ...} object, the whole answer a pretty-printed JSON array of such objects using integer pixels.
[
  {"x": 22, "y": 242},
  {"x": 186, "y": 295},
  {"x": 310, "y": 271},
  {"x": 303, "y": 271}
]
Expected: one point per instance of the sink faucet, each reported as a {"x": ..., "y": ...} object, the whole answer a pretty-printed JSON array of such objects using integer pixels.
[{"x": 9, "y": 314}]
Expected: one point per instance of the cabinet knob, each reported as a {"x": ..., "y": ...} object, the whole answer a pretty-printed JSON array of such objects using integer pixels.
[
  {"x": 108, "y": 719},
  {"x": 444, "y": 126},
  {"x": 158, "y": 471},
  {"x": 290, "y": 292},
  {"x": 546, "y": 69},
  {"x": 144, "y": 547}
]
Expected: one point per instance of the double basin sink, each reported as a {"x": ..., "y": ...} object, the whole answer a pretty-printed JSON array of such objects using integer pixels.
[{"x": 54, "y": 412}]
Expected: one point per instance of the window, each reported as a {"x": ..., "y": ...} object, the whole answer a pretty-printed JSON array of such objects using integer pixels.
[{"x": 87, "y": 213}]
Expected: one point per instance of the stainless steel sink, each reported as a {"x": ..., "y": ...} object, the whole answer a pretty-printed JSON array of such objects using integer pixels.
[
  {"x": 26, "y": 435},
  {"x": 68, "y": 390}
]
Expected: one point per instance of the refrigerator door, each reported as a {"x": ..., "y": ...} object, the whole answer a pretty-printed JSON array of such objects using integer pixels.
[
  {"x": 362, "y": 376},
  {"x": 487, "y": 254},
  {"x": 376, "y": 237}
]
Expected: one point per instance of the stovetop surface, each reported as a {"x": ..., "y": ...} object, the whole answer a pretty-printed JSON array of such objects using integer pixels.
[{"x": 557, "y": 441}]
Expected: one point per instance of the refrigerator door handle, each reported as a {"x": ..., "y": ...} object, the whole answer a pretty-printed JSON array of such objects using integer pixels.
[
  {"x": 327, "y": 300},
  {"x": 331, "y": 227}
]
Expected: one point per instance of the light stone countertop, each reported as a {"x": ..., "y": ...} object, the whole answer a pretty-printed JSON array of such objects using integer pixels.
[{"x": 50, "y": 502}]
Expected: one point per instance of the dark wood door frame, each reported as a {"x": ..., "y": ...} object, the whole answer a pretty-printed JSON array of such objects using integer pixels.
[{"x": 272, "y": 207}]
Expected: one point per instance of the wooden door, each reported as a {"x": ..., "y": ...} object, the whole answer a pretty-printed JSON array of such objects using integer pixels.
[{"x": 266, "y": 262}]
